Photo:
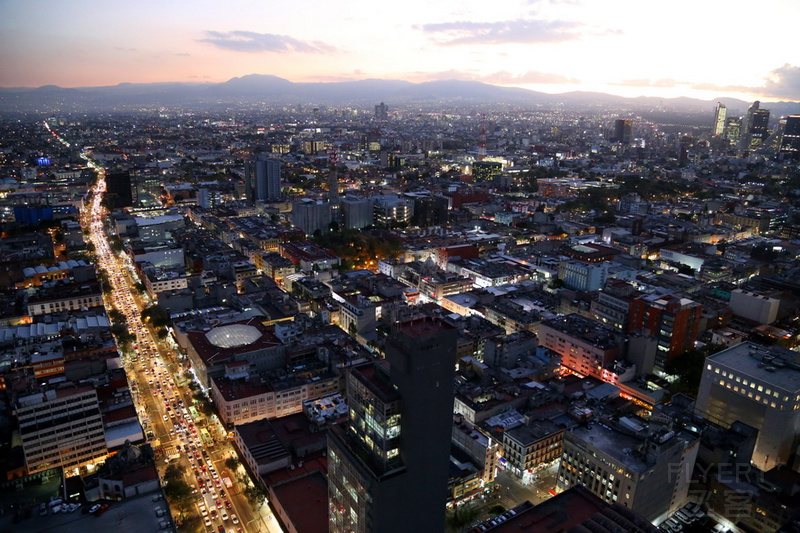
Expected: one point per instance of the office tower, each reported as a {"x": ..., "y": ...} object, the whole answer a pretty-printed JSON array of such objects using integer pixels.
[
  {"x": 61, "y": 428},
  {"x": 673, "y": 321},
  {"x": 208, "y": 198},
  {"x": 381, "y": 111},
  {"x": 388, "y": 467},
  {"x": 733, "y": 129},
  {"x": 333, "y": 178},
  {"x": 310, "y": 216},
  {"x": 263, "y": 180},
  {"x": 790, "y": 141},
  {"x": 118, "y": 188},
  {"x": 623, "y": 131},
  {"x": 356, "y": 212},
  {"x": 429, "y": 211},
  {"x": 391, "y": 209},
  {"x": 719, "y": 118},
  {"x": 756, "y": 125},
  {"x": 486, "y": 170},
  {"x": 760, "y": 386},
  {"x": 646, "y": 472}
]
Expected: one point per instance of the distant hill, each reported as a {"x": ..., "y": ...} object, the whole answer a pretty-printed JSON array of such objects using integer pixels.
[{"x": 266, "y": 89}]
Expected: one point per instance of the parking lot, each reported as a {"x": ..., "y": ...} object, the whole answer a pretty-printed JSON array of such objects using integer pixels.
[{"x": 134, "y": 515}]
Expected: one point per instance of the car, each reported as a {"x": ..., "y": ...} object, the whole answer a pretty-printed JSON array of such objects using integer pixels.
[
  {"x": 203, "y": 510},
  {"x": 207, "y": 522},
  {"x": 224, "y": 515},
  {"x": 103, "y": 509},
  {"x": 218, "y": 503},
  {"x": 234, "y": 519},
  {"x": 227, "y": 504},
  {"x": 94, "y": 508},
  {"x": 221, "y": 528},
  {"x": 214, "y": 514}
]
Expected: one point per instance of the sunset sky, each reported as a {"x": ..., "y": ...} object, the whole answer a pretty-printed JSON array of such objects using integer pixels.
[{"x": 697, "y": 48}]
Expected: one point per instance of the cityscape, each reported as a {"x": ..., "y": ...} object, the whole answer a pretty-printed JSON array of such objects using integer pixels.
[{"x": 363, "y": 293}]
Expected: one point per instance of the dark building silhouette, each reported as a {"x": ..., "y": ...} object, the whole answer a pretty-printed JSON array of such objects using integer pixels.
[
  {"x": 790, "y": 141},
  {"x": 429, "y": 211},
  {"x": 388, "y": 467},
  {"x": 623, "y": 131},
  {"x": 381, "y": 111},
  {"x": 263, "y": 180},
  {"x": 757, "y": 125},
  {"x": 118, "y": 189}
]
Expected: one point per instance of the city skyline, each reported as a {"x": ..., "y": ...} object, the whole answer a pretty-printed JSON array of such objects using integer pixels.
[{"x": 619, "y": 47}]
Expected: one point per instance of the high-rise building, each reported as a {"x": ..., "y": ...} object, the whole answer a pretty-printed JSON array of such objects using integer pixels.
[
  {"x": 388, "y": 467},
  {"x": 733, "y": 129},
  {"x": 61, "y": 428},
  {"x": 673, "y": 321},
  {"x": 429, "y": 210},
  {"x": 759, "y": 386},
  {"x": 381, "y": 111},
  {"x": 208, "y": 198},
  {"x": 118, "y": 188},
  {"x": 756, "y": 126},
  {"x": 790, "y": 141},
  {"x": 356, "y": 212},
  {"x": 263, "y": 180},
  {"x": 719, "y": 118},
  {"x": 310, "y": 216},
  {"x": 623, "y": 131}
]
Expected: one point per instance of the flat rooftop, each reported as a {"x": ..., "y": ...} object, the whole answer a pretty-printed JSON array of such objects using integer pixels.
[
  {"x": 751, "y": 359},
  {"x": 616, "y": 445}
]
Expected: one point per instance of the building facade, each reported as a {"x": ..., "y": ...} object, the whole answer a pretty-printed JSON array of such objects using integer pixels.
[{"x": 388, "y": 469}]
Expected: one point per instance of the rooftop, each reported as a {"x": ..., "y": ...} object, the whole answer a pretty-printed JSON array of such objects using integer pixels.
[{"x": 774, "y": 365}]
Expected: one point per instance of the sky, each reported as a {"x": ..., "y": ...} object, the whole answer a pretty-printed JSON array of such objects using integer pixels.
[{"x": 666, "y": 48}]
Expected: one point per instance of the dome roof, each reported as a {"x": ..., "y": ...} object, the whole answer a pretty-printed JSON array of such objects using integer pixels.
[{"x": 233, "y": 336}]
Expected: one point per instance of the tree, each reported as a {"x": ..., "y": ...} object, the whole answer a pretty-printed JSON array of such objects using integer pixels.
[
  {"x": 688, "y": 366},
  {"x": 231, "y": 463},
  {"x": 179, "y": 493},
  {"x": 157, "y": 315},
  {"x": 461, "y": 517}
]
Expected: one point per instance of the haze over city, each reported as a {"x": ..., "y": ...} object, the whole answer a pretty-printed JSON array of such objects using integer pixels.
[{"x": 702, "y": 50}]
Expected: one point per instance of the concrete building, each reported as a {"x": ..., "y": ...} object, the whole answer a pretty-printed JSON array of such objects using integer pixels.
[
  {"x": 388, "y": 469},
  {"x": 356, "y": 212},
  {"x": 673, "y": 321},
  {"x": 759, "y": 386},
  {"x": 649, "y": 475},
  {"x": 756, "y": 307},
  {"x": 61, "y": 428},
  {"x": 310, "y": 216},
  {"x": 585, "y": 346}
]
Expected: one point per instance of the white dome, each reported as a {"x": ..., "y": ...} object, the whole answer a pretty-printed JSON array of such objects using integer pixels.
[{"x": 233, "y": 336}]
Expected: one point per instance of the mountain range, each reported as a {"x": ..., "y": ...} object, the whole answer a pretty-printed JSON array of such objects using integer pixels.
[{"x": 257, "y": 89}]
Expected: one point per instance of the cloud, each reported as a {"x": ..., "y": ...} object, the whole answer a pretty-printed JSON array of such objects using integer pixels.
[
  {"x": 783, "y": 82},
  {"x": 526, "y": 31},
  {"x": 532, "y": 77},
  {"x": 183, "y": 54},
  {"x": 665, "y": 82},
  {"x": 248, "y": 41},
  {"x": 499, "y": 78}
]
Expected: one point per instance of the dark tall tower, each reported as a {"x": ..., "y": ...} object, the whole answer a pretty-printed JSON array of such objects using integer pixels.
[
  {"x": 263, "y": 180},
  {"x": 623, "y": 131},
  {"x": 381, "y": 111},
  {"x": 757, "y": 125},
  {"x": 790, "y": 141},
  {"x": 388, "y": 468},
  {"x": 118, "y": 188}
]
